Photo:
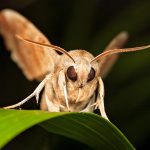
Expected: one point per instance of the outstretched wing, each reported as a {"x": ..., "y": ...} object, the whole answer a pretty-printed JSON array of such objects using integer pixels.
[
  {"x": 109, "y": 61},
  {"x": 35, "y": 61}
]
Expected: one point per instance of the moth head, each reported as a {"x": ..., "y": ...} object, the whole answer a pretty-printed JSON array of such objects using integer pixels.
[
  {"x": 73, "y": 75},
  {"x": 80, "y": 72}
]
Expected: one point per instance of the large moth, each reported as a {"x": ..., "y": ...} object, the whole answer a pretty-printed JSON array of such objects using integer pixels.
[{"x": 70, "y": 80}]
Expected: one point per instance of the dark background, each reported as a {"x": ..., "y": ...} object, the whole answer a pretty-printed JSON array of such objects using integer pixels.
[{"x": 88, "y": 25}]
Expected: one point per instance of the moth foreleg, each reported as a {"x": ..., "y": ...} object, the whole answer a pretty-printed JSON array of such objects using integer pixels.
[
  {"x": 66, "y": 96},
  {"x": 63, "y": 87},
  {"x": 35, "y": 93},
  {"x": 100, "y": 99}
]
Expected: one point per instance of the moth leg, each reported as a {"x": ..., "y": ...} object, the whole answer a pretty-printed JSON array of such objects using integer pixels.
[
  {"x": 66, "y": 97},
  {"x": 35, "y": 93},
  {"x": 100, "y": 99},
  {"x": 63, "y": 87}
]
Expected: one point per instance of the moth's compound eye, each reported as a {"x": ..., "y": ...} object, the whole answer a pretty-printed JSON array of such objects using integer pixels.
[
  {"x": 71, "y": 73},
  {"x": 91, "y": 75}
]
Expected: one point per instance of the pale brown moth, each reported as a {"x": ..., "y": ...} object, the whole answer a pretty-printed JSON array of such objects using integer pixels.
[{"x": 70, "y": 80}]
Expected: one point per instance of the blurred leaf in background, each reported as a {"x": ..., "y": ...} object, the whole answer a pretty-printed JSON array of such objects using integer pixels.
[{"x": 90, "y": 25}]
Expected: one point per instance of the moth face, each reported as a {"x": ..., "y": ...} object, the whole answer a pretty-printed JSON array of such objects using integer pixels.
[{"x": 82, "y": 71}]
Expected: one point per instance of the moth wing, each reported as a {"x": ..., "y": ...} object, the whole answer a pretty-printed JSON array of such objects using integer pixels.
[
  {"x": 35, "y": 61},
  {"x": 108, "y": 62}
]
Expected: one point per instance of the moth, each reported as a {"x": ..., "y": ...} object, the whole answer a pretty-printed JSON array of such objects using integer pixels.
[{"x": 70, "y": 80}]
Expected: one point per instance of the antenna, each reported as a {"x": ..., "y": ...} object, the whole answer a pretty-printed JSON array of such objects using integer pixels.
[
  {"x": 114, "y": 51},
  {"x": 57, "y": 48}
]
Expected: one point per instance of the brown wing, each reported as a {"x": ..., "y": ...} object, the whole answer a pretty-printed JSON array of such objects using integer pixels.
[
  {"x": 35, "y": 61},
  {"x": 109, "y": 61}
]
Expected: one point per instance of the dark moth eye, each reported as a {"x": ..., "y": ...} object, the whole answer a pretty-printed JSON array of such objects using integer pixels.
[
  {"x": 91, "y": 75},
  {"x": 71, "y": 73}
]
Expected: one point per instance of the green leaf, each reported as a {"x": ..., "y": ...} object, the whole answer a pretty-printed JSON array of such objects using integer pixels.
[{"x": 87, "y": 128}]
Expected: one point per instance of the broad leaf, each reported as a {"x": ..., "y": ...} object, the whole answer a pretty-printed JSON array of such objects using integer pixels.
[{"x": 87, "y": 128}]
